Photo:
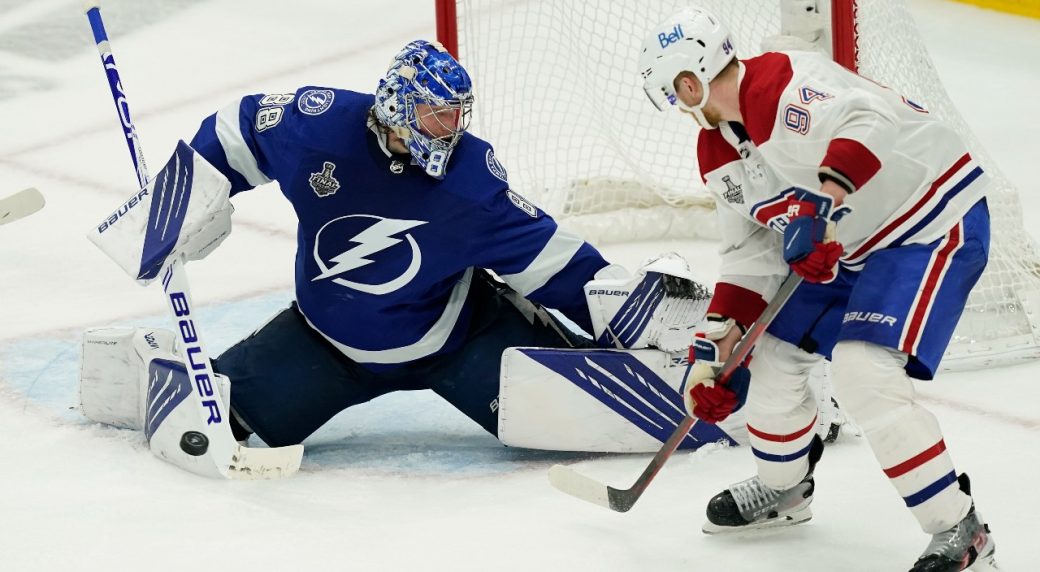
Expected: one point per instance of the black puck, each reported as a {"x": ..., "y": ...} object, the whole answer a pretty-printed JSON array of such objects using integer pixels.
[{"x": 194, "y": 443}]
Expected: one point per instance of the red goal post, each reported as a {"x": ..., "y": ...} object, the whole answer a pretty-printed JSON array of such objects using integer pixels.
[{"x": 558, "y": 95}]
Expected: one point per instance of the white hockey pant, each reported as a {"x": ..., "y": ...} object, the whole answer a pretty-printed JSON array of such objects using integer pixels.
[{"x": 877, "y": 393}]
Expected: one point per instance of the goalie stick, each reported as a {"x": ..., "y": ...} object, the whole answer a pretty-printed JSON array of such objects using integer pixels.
[
  {"x": 230, "y": 459},
  {"x": 20, "y": 205},
  {"x": 569, "y": 481}
]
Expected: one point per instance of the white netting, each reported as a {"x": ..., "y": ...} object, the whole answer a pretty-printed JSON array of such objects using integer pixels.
[{"x": 560, "y": 98}]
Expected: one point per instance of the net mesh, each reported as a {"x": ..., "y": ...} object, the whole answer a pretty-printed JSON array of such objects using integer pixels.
[{"x": 560, "y": 99}]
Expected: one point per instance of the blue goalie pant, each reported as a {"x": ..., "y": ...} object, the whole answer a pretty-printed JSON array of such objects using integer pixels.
[
  {"x": 907, "y": 297},
  {"x": 287, "y": 380}
]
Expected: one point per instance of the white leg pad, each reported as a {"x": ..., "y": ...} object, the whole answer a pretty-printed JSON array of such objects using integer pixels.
[{"x": 114, "y": 373}]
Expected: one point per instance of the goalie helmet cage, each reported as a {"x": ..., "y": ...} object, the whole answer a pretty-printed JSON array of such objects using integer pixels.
[{"x": 559, "y": 97}]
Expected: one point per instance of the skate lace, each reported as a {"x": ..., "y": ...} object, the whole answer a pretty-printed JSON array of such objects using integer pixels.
[{"x": 751, "y": 495}]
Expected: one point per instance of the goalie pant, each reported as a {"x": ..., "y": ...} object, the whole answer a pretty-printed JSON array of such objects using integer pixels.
[{"x": 288, "y": 380}]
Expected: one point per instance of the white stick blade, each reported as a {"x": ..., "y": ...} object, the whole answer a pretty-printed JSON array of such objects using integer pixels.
[
  {"x": 275, "y": 463},
  {"x": 20, "y": 204},
  {"x": 578, "y": 485}
]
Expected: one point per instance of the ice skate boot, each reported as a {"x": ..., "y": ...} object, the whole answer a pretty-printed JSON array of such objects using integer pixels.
[
  {"x": 750, "y": 505},
  {"x": 967, "y": 546}
]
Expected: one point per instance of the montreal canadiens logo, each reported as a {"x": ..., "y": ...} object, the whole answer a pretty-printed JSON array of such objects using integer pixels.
[
  {"x": 368, "y": 253},
  {"x": 315, "y": 101}
]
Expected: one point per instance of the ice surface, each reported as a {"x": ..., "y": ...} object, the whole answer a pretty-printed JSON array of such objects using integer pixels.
[{"x": 404, "y": 482}]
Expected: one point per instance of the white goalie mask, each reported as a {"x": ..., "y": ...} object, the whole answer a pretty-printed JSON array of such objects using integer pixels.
[{"x": 693, "y": 40}]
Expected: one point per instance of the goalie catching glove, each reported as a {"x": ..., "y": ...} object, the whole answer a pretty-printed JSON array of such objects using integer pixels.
[
  {"x": 810, "y": 246},
  {"x": 658, "y": 307},
  {"x": 706, "y": 397}
]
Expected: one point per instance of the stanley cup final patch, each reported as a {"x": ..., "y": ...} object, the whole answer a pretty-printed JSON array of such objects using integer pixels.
[{"x": 323, "y": 183}]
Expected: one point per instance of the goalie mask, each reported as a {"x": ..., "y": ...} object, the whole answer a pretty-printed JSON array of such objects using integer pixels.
[
  {"x": 426, "y": 98},
  {"x": 693, "y": 40}
]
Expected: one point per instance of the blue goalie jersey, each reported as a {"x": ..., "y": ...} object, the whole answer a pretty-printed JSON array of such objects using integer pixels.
[{"x": 385, "y": 253}]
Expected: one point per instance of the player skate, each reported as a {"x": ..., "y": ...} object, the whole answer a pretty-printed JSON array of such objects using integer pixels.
[
  {"x": 751, "y": 505},
  {"x": 968, "y": 545}
]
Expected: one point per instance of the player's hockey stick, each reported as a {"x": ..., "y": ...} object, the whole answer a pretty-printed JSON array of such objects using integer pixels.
[
  {"x": 230, "y": 459},
  {"x": 578, "y": 485},
  {"x": 20, "y": 205}
]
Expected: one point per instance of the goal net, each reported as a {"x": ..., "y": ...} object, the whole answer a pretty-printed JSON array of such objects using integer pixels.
[{"x": 561, "y": 100}]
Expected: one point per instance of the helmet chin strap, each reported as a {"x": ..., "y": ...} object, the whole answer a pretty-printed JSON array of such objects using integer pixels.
[{"x": 698, "y": 110}]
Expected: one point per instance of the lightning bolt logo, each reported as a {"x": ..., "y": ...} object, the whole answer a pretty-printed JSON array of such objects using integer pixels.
[{"x": 374, "y": 239}]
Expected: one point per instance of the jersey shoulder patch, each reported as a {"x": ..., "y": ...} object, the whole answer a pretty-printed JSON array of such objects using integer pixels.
[{"x": 494, "y": 166}]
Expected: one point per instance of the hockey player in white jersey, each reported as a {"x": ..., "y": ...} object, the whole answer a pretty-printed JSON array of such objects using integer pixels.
[
  {"x": 401, "y": 215},
  {"x": 882, "y": 210}
]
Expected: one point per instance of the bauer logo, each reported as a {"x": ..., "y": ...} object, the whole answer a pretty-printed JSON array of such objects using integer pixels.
[
  {"x": 315, "y": 101},
  {"x": 870, "y": 317},
  {"x": 114, "y": 217},
  {"x": 670, "y": 38}
]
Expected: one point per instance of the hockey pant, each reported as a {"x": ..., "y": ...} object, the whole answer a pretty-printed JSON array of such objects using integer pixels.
[{"x": 288, "y": 380}]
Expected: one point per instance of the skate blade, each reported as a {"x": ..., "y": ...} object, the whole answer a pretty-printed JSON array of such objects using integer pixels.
[
  {"x": 985, "y": 563},
  {"x": 791, "y": 519}
]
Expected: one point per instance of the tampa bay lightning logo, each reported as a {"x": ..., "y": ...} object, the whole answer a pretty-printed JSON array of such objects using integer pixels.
[
  {"x": 365, "y": 253},
  {"x": 494, "y": 166},
  {"x": 315, "y": 101}
]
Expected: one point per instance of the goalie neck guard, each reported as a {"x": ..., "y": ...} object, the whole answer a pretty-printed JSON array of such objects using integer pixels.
[{"x": 426, "y": 99}]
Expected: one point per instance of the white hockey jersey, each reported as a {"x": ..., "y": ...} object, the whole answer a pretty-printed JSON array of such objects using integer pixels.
[{"x": 805, "y": 116}]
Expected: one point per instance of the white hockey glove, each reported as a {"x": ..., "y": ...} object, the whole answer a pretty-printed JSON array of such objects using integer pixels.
[
  {"x": 658, "y": 307},
  {"x": 183, "y": 211}
]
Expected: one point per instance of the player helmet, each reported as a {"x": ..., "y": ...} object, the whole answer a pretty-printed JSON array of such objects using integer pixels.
[
  {"x": 693, "y": 40},
  {"x": 426, "y": 98}
]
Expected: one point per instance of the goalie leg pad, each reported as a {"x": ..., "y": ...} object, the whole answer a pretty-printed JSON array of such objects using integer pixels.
[
  {"x": 112, "y": 373},
  {"x": 123, "y": 373},
  {"x": 618, "y": 401}
]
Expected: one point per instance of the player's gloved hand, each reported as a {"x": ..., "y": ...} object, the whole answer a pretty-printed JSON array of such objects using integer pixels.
[
  {"x": 706, "y": 397},
  {"x": 809, "y": 239},
  {"x": 659, "y": 306}
]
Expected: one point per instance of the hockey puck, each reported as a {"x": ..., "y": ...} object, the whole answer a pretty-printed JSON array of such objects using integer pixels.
[{"x": 194, "y": 443}]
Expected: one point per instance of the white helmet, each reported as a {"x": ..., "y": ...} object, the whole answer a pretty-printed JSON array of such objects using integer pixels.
[{"x": 693, "y": 40}]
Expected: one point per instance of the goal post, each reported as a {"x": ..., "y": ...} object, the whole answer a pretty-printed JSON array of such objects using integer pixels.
[{"x": 559, "y": 96}]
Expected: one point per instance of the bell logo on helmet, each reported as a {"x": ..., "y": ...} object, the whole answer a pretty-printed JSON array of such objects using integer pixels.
[{"x": 669, "y": 39}]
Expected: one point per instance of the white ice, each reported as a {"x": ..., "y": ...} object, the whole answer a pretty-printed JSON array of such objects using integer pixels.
[{"x": 404, "y": 482}]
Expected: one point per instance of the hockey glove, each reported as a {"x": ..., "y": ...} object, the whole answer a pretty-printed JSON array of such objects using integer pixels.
[
  {"x": 706, "y": 397},
  {"x": 659, "y": 306},
  {"x": 809, "y": 242}
]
